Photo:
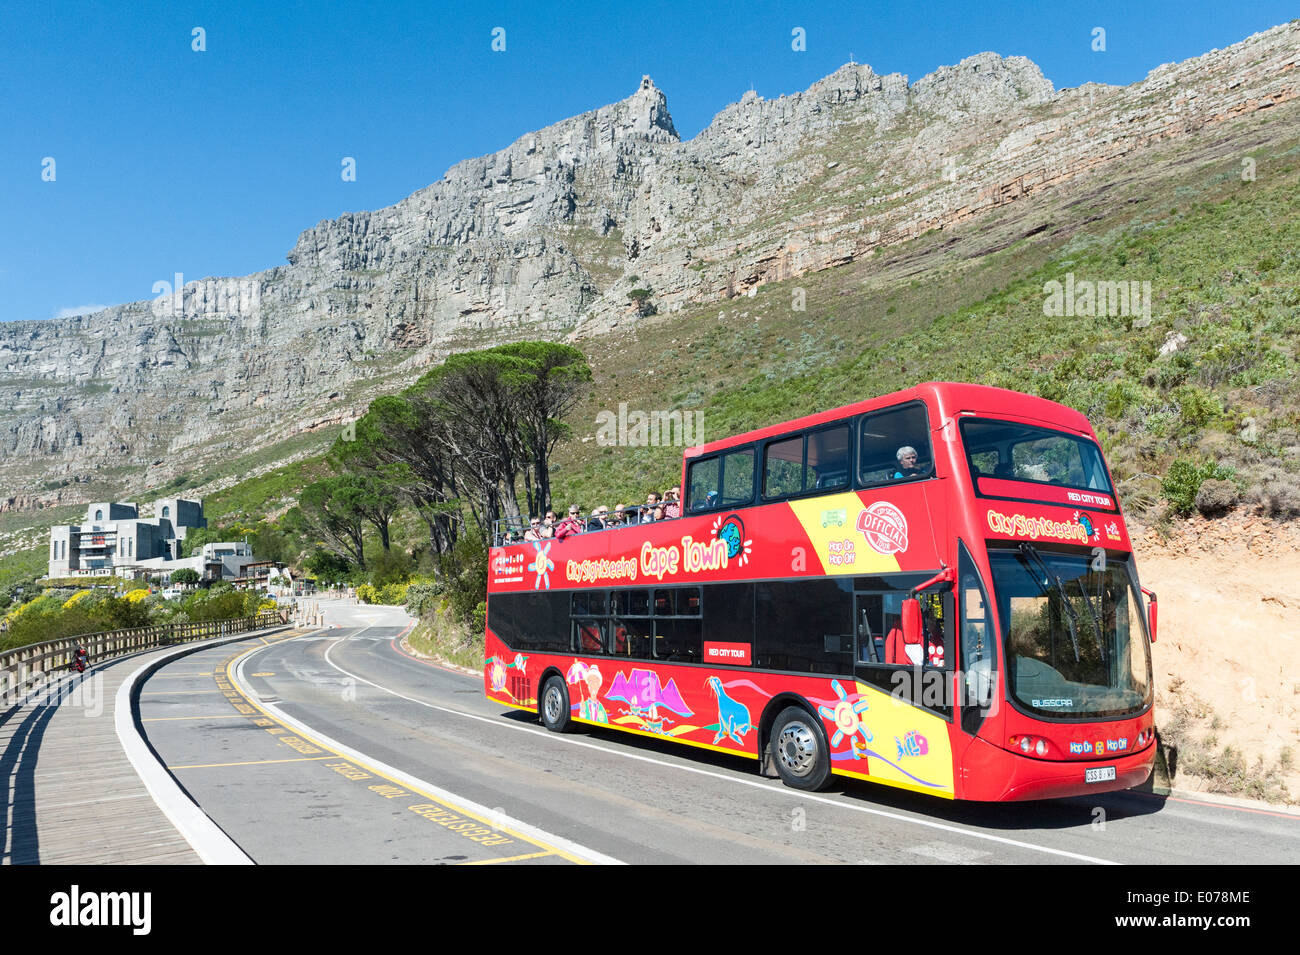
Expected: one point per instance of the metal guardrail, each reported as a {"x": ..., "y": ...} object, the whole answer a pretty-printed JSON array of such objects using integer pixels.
[{"x": 23, "y": 667}]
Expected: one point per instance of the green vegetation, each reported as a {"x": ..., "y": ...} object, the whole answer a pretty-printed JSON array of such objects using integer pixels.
[
  {"x": 19, "y": 572},
  {"x": 62, "y": 612},
  {"x": 1184, "y": 480}
]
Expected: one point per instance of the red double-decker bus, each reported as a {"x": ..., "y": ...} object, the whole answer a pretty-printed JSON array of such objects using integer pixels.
[{"x": 933, "y": 590}]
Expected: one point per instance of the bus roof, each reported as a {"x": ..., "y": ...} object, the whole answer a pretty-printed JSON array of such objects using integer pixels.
[{"x": 950, "y": 398}]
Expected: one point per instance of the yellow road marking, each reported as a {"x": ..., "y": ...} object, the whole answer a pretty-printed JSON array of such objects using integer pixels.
[
  {"x": 255, "y": 762},
  {"x": 531, "y": 855},
  {"x": 169, "y": 719},
  {"x": 491, "y": 824}
]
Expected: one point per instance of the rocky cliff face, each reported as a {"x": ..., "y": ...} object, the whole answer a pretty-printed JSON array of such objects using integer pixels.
[{"x": 547, "y": 237}]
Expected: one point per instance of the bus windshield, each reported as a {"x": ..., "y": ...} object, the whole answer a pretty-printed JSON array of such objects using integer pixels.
[
  {"x": 1075, "y": 643},
  {"x": 1004, "y": 451}
]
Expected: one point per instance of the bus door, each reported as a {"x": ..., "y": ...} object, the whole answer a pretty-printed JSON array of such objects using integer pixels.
[
  {"x": 978, "y": 650},
  {"x": 918, "y": 673}
]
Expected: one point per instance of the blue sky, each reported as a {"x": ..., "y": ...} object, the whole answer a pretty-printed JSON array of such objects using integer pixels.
[{"x": 210, "y": 163}]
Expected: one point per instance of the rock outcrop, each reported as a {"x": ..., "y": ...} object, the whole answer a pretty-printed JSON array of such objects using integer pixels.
[{"x": 548, "y": 236}]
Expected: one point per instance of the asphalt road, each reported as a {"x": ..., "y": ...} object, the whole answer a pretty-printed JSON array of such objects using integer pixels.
[{"x": 342, "y": 748}]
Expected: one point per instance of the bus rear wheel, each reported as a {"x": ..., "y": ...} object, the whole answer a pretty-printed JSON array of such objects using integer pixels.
[
  {"x": 554, "y": 707},
  {"x": 799, "y": 751}
]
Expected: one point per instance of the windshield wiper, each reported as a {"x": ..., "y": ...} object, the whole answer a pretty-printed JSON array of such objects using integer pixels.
[
  {"x": 1096, "y": 619},
  {"x": 1028, "y": 550}
]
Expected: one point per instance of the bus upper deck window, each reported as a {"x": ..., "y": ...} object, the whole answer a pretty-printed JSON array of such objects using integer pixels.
[
  {"x": 702, "y": 484},
  {"x": 894, "y": 445}
]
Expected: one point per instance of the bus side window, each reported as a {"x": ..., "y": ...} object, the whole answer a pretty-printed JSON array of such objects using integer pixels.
[
  {"x": 978, "y": 654},
  {"x": 634, "y": 635},
  {"x": 703, "y": 484},
  {"x": 589, "y": 639},
  {"x": 783, "y": 467},
  {"x": 738, "y": 478},
  {"x": 883, "y": 434},
  {"x": 871, "y": 638},
  {"x": 933, "y": 621},
  {"x": 827, "y": 465}
]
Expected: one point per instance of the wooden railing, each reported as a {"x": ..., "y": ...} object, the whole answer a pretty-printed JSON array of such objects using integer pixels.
[{"x": 22, "y": 667}]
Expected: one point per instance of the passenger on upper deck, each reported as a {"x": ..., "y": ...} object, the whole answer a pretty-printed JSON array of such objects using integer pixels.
[
  {"x": 673, "y": 503},
  {"x": 906, "y": 464},
  {"x": 570, "y": 525},
  {"x": 648, "y": 511}
]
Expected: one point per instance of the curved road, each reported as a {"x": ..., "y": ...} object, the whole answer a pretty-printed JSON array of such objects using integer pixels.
[{"x": 338, "y": 747}]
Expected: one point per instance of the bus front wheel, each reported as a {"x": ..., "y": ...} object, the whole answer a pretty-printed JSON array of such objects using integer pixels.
[
  {"x": 554, "y": 709},
  {"x": 799, "y": 750}
]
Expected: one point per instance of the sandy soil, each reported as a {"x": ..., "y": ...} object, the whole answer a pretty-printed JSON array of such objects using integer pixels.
[{"x": 1229, "y": 628}]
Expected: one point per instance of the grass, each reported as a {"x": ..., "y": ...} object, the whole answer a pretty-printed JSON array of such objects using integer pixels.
[{"x": 444, "y": 638}]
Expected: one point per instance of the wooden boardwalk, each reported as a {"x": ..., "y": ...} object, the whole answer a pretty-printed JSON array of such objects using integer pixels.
[{"x": 72, "y": 796}]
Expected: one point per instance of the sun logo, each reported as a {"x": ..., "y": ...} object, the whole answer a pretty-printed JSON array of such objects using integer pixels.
[
  {"x": 542, "y": 565},
  {"x": 732, "y": 533},
  {"x": 844, "y": 715}
]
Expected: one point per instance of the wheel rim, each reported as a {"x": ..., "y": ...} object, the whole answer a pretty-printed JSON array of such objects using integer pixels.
[
  {"x": 796, "y": 748},
  {"x": 554, "y": 706}
]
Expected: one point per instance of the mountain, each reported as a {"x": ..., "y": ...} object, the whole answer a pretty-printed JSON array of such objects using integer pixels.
[{"x": 547, "y": 237}]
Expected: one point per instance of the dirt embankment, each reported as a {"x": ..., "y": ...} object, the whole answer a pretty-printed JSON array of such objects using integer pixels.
[{"x": 1227, "y": 657}]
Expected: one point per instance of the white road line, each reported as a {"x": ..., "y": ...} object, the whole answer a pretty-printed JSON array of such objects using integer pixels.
[
  {"x": 497, "y": 817},
  {"x": 770, "y": 787}
]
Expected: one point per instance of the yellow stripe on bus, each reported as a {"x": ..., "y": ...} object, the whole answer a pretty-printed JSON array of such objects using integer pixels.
[{"x": 831, "y": 525}]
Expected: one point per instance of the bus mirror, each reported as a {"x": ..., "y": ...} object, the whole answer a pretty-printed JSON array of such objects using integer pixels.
[
  {"x": 1151, "y": 612},
  {"x": 912, "y": 635}
]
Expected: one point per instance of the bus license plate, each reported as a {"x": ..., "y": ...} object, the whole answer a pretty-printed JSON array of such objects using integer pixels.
[{"x": 1102, "y": 774}]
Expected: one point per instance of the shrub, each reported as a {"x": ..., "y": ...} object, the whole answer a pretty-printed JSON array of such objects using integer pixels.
[
  {"x": 1216, "y": 497},
  {"x": 464, "y": 575},
  {"x": 393, "y": 594},
  {"x": 422, "y": 597},
  {"x": 1183, "y": 482},
  {"x": 185, "y": 575},
  {"x": 1196, "y": 407},
  {"x": 1279, "y": 494}
]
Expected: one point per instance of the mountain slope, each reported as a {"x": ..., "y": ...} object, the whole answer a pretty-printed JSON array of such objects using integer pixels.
[{"x": 548, "y": 236}]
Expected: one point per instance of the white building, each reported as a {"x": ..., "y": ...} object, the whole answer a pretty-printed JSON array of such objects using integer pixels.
[{"x": 114, "y": 540}]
